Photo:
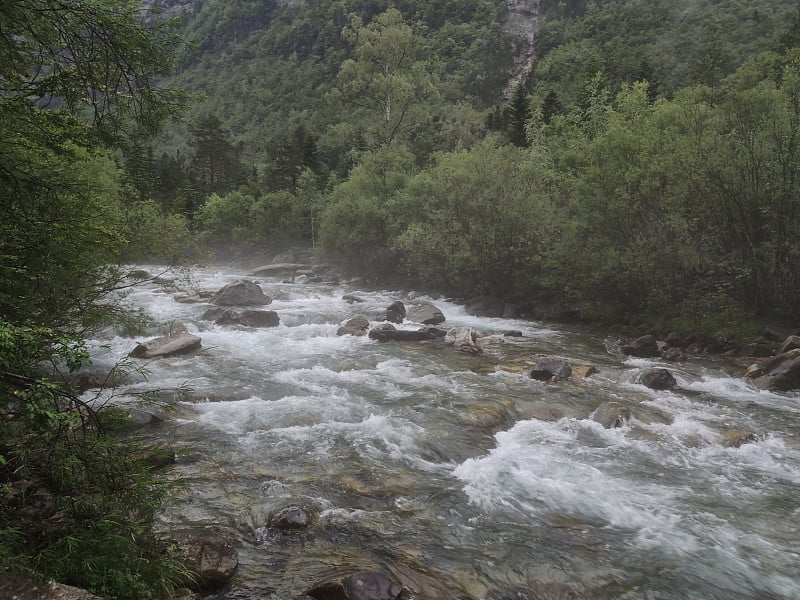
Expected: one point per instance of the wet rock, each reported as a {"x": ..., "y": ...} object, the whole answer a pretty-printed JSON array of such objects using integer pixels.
[
  {"x": 538, "y": 590},
  {"x": 291, "y": 518},
  {"x": 675, "y": 340},
  {"x": 735, "y": 439},
  {"x": 241, "y": 293},
  {"x": 781, "y": 373},
  {"x": 388, "y": 332},
  {"x": 673, "y": 354},
  {"x": 350, "y": 299},
  {"x": 583, "y": 371},
  {"x": 361, "y": 586},
  {"x": 485, "y": 306},
  {"x": 491, "y": 417},
  {"x": 790, "y": 343},
  {"x": 611, "y": 415},
  {"x": 209, "y": 553},
  {"x": 551, "y": 368},
  {"x": 754, "y": 370},
  {"x": 143, "y": 418},
  {"x": 512, "y": 333},
  {"x": 19, "y": 586},
  {"x": 642, "y": 347},
  {"x": 757, "y": 349},
  {"x": 544, "y": 412},
  {"x": 278, "y": 268},
  {"x": 303, "y": 278},
  {"x": 396, "y": 312},
  {"x": 248, "y": 318},
  {"x": 658, "y": 379},
  {"x": 358, "y": 325},
  {"x": 167, "y": 346},
  {"x": 425, "y": 313},
  {"x": 463, "y": 339}
]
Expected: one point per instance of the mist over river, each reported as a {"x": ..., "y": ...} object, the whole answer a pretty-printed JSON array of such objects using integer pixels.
[{"x": 460, "y": 476}]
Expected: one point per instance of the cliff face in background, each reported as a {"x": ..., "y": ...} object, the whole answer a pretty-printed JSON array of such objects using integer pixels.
[{"x": 522, "y": 25}]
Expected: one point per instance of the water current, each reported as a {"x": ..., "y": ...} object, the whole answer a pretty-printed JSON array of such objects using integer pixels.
[{"x": 459, "y": 475}]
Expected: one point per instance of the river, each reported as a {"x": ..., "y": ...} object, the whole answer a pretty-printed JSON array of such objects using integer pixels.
[{"x": 459, "y": 475}]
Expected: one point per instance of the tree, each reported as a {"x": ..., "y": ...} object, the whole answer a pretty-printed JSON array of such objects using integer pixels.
[
  {"x": 76, "y": 78},
  {"x": 215, "y": 164},
  {"x": 387, "y": 76}
]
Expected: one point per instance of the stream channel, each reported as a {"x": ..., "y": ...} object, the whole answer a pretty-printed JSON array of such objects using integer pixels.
[{"x": 459, "y": 475}]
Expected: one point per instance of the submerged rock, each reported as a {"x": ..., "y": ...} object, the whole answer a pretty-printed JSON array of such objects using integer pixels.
[
  {"x": 551, "y": 368},
  {"x": 350, "y": 299},
  {"x": 538, "y": 590},
  {"x": 209, "y": 553},
  {"x": 361, "y": 586},
  {"x": 611, "y": 415},
  {"x": 736, "y": 439},
  {"x": 291, "y": 518},
  {"x": 241, "y": 293},
  {"x": 248, "y": 318},
  {"x": 388, "y": 332},
  {"x": 167, "y": 346}
]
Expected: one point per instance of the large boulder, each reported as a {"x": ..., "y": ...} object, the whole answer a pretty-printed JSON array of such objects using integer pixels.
[
  {"x": 358, "y": 325},
  {"x": 463, "y": 339},
  {"x": 388, "y": 332},
  {"x": 642, "y": 347},
  {"x": 247, "y": 318},
  {"x": 278, "y": 269},
  {"x": 241, "y": 293},
  {"x": 551, "y": 368},
  {"x": 210, "y": 554},
  {"x": 790, "y": 343},
  {"x": 162, "y": 347},
  {"x": 611, "y": 415},
  {"x": 658, "y": 379},
  {"x": 485, "y": 306},
  {"x": 24, "y": 586},
  {"x": 425, "y": 313},
  {"x": 780, "y": 373},
  {"x": 396, "y": 312}
]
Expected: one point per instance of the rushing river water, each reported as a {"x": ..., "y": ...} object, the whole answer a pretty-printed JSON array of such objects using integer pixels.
[{"x": 459, "y": 475}]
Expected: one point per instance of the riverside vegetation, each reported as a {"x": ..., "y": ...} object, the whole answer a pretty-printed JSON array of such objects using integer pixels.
[{"x": 645, "y": 171}]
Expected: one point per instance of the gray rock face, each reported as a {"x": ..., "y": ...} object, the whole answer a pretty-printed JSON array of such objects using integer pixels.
[
  {"x": 611, "y": 415},
  {"x": 781, "y": 373},
  {"x": 642, "y": 347},
  {"x": 388, "y": 332},
  {"x": 551, "y": 369},
  {"x": 241, "y": 293},
  {"x": 358, "y": 326},
  {"x": 167, "y": 346},
  {"x": 209, "y": 553},
  {"x": 790, "y": 343},
  {"x": 425, "y": 313},
  {"x": 658, "y": 379}
]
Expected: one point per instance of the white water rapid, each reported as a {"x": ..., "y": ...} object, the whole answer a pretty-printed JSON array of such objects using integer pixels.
[{"x": 458, "y": 475}]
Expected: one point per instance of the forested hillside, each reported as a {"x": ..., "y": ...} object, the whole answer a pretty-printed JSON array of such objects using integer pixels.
[{"x": 645, "y": 169}]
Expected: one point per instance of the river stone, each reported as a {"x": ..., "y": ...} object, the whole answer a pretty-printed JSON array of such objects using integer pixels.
[
  {"x": 425, "y": 313},
  {"x": 642, "y": 347},
  {"x": 551, "y": 368},
  {"x": 790, "y": 343},
  {"x": 350, "y": 299},
  {"x": 611, "y": 415},
  {"x": 370, "y": 586},
  {"x": 358, "y": 325},
  {"x": 388, "y": 332},
  {"x": 290, "y": 518},
  {"x": 583, "y": 371},
  {"x": 735, "y": 439},
  {"x": 673, "y": 354},
  {"x": 463, "y": 339},
  {"x": 485, "y": 306},
  {"x": 280, "y": 268},
  {"x": 781, "y": 373},
  {"x": 241, "y": 293},
  {"x": 396, "y": 312},
  {"x": 209, "y": 553},
  {"x": 167, "y": 346},
  {"x": 18, "y": 586},
  {"x": 248, "y": 318},
  {"x": 512, "y": 333},
  {"x": 658, "y": 379},
  {"x": 538, "y": 590}
]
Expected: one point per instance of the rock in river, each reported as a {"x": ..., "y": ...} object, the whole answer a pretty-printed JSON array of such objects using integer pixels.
[
  {"x": 358, "y": 325},
  {"x": 241, "y": 293},
  {"x": 361, "y": 586},
  {"x": 167, "y": 346},
  {"x": 611, "y": 415},
  {"x": 291, "y": 517},
  {"x": 388, "y": 332},
  {"x": 209, "y": 553},
  {"x": 551, "y": 368},
  {"x": 781, "y": 372},
  {"x": 425, "y": 313},
  {"x": 658, "y": 379}
]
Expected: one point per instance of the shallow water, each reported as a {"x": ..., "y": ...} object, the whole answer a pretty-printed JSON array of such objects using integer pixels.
[{"x": 433, "y": 466}]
